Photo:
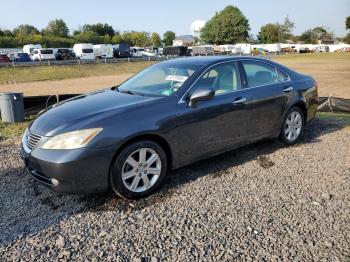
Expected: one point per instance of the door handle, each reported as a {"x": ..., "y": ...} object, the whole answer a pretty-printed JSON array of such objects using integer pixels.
[
  {"x": 239, "y": 101},
  {"x": 288, "y": 89}
]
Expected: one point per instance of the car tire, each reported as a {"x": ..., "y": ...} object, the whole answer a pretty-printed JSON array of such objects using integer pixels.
[
  {"x": 293, "y": 126},
  {"x": 131, "y": 177}
]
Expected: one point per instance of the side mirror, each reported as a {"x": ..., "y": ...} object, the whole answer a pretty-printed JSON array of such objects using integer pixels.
[{"x": 201, "y": 94}]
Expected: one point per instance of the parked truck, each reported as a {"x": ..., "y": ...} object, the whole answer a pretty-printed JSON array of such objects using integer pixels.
[
  {"x": 84, "y": 51},
  {"x": 121, "y": 50},
  {"x": 175, "y": 51},
  {"x": 103, "y": 51}
]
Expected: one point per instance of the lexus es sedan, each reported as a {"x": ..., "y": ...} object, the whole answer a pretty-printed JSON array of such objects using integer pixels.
[{"x": 126, "y": 138}]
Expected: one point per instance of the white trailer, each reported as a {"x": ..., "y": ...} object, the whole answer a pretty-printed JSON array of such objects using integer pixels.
[
  {"x": 246, "y": 49},
  {"x": 272, "y": 48},
  {"x": 103, "y": 51},
  {"x": 29, "y": 48},
  {"x": 84, "y": 51}
]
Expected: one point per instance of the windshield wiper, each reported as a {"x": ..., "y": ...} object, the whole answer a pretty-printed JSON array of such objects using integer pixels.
[{"x": 127, "y": 91}]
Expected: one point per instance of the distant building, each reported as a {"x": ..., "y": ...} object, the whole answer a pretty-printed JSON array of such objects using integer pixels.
[{"x": 184, "y": 40}]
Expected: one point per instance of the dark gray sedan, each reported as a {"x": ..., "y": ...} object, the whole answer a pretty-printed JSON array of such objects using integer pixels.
[{"x": 171, "y": 114}]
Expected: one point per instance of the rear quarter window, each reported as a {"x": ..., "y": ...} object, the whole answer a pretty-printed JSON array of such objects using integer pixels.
[{"x": 260, "y": 74}]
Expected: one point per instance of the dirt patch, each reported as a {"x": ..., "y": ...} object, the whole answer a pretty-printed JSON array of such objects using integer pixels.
[
  {"x": 265, "y": 162},
  {"x": 330, "y": 70}
]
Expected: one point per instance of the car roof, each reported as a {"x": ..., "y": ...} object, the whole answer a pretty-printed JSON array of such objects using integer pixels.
[{"x": 209, "y": 60}]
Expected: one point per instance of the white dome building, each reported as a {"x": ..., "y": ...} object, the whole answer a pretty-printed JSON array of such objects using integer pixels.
[{"x": 196, "y": 27}]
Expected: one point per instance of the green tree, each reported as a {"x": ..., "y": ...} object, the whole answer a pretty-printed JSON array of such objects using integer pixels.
[
  {"x": 117, "y": 38},
  {"x": 89, "y": 37},
  {"x": 155, "y": 39},
  {"x": 312, "y": 36},
  {"x": 135, "y": 38},
  {"x": 168, "y": 38},
  {"x": 308, "y": 37},
  {"x": 276, "y": 33},
  {"x": 269, "y": 33},
  {"x": 8, "y": 33},
  {"x": 107, "y": 39},
  {"x": 56, "y": 28},
  {"x": 100, "y": 29},
  {"x": 346, "y": 39},
  {"x": 347, "y": 23},
  {"x": 226, "y": 27},
  {"x": 25, "y": 30}
]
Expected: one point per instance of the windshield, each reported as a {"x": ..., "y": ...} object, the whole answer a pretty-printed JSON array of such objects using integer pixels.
[
  {"x": 88, "y": 51},
  {"x": 159, "y": 80},
  {"x": 46, "y": 51}
]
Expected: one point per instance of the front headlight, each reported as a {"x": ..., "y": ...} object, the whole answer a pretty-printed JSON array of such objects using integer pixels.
[{"x": 72, "y": 140}]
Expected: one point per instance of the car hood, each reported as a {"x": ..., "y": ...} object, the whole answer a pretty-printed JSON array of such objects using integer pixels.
[{"x": 83, "y": 111}]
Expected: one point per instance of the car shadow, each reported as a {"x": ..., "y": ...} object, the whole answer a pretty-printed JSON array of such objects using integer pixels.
[
  {"x": 28, "y": 208},
  {"x": 214, "y": 167}
]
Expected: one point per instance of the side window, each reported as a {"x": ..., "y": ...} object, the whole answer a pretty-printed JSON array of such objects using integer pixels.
[
  {"x": 259, "y": 74},
  {"x": 222, "y": 78}
]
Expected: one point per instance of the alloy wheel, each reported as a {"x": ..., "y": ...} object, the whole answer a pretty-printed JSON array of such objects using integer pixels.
[
  {"x": 141, "y": 170},
  {"x": 293, "y": 126}
]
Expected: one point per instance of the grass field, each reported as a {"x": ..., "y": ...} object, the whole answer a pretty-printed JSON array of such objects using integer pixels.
[{"x": 331, "y": 70}]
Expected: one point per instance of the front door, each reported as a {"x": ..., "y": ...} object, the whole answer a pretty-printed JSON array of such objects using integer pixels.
[{"x": 215, "y": 125}]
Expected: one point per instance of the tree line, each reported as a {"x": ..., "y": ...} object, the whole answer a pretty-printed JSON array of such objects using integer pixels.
[
  {"x": 228, "y": 26},
  {"x": 57, "y": 34}
]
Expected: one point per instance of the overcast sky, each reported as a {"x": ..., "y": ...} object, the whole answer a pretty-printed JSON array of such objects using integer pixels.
[{"x": 175, "y": 15}]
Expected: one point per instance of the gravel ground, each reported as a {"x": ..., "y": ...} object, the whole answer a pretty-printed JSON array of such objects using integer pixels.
[{"x": 262, "y": 202}]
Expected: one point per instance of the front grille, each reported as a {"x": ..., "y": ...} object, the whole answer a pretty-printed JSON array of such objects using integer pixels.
[{"x": 33, "y": 140}]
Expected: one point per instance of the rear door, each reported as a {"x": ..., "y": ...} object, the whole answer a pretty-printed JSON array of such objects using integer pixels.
[{"x": 268, "y": 92}]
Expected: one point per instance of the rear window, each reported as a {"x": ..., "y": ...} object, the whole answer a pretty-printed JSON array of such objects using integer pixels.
[
  {"x": 63, "y": 51},
  {"x": 87, "y": 50},
  {"x": 46, "y": 51}
]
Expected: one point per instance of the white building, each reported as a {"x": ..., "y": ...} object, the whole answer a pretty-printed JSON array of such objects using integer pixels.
[{"x": 184, "y": 40}]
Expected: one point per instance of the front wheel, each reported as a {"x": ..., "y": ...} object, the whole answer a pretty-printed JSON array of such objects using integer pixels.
[
  {"x": 293, "y": 126},
  {"x": 138, "y": 170}
]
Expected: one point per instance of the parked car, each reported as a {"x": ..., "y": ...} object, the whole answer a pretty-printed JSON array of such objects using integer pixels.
[
  {"x": 136, "y": 51},
  {"x": 167, "y": 116},
  {"x": 121, "y": 50},
  {"x": 304, "y": 50},
  {"x": 65, "y": 54},
  {"x": 322, "y": 49},
  {"x": 84, "y": 51},
  {"x": 43, "y": 54},
  {"x": 103, "y": 51},
  {"x": 22, "y": 57},
  {"x": 150, "y": 52},
  {"x": 4, "y": 58}
]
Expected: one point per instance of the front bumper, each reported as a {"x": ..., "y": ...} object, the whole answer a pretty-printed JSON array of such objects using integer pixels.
[{"x": 72, "y": 171}]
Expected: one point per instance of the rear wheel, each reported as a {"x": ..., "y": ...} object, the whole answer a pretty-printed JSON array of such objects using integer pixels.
[
  {"x": 138, "y": 170},
  {"x": 293, "y": 126}
]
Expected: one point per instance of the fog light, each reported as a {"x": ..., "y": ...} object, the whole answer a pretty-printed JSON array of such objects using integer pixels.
[{"x": 54, "y": 182}]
